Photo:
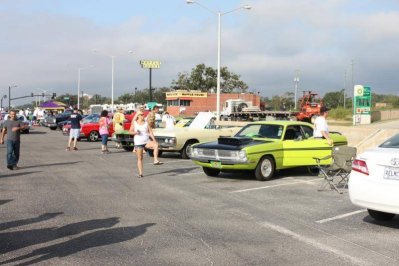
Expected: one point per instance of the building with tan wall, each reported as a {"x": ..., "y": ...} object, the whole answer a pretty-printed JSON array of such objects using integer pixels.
[{"x": 181, "y": 102}]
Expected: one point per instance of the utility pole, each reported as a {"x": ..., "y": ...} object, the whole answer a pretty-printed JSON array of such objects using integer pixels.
[
  {"x": 344, "y": 89},
  {"x": 352, "y": 67},
  {"x": 296, "y": 81}
]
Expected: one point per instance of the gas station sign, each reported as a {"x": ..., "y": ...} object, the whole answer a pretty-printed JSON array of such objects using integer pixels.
[{"x": 361, "y": 105}]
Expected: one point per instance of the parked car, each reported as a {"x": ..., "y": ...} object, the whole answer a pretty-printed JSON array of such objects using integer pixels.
[
  {"x": 263, "y": 148},
  {"x": 201, "y": 129},
  {"x": 90, "y": 128},
  {"x": 52, "y": 121},
  {"x": 374, "y": 180},
  {"x": 22, "y": 118},
  {"x": 185, "y": 122}
]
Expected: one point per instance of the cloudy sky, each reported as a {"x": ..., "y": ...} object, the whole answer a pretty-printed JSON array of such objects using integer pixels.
[{"x": 44, "y": 42}]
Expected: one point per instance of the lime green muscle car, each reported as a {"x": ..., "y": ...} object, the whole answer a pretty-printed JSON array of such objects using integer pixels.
[{"x": 264, "y": 147}]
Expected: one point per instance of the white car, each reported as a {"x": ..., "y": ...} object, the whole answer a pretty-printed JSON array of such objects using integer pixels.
[
  {"x": 374, "y": 180},
  {"x": 22, "y": 118}
]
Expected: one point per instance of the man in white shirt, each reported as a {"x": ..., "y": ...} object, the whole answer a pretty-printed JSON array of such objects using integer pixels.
[
  {"x": 321, "y": 126},
  {"x": 168, "y": 120}
]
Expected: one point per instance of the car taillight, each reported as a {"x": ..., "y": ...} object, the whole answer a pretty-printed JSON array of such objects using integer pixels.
[{"x": 360, "y": 166}]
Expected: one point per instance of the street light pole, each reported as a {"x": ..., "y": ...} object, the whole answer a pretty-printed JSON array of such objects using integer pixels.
[
  {"x": 9, "y": 96},
  {"x": 112, "y": 75},
  {"x": 78, "y": 95},
  {"x": 112, "y": 83},
  {"x": 219, "y": 48},
  {"x": 296, "y": 81}
]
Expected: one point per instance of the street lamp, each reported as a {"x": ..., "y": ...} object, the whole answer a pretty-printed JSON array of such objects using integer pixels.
[
  {"x": 219, "y": 14},
  {"x": 135, "y": 92},
  {"x": 9, "y": 96},
  {"x": 2, "y": 97},
  {"x": 112, "y": 75},
  {"x": 296, "y": 81},
  {"x": 80, "y": 69}
]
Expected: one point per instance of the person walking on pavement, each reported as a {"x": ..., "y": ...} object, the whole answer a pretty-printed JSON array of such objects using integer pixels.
[
  {"x": 104, "y": 123},
  {"x": 321, "y": 126},
  {"x": 142, "y": 133},
  {"x": 118, "y": 120},
  {"x": 12, "y": 127},
  {"x": 76, "y": 120}
]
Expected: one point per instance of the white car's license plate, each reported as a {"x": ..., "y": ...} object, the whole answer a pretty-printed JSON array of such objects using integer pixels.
[
  {"x": 216, "y": 164},
  {"x": 391, "y": 173}
]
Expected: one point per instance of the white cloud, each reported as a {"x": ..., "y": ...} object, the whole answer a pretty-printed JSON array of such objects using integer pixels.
[{"x": 264, "y": 45}]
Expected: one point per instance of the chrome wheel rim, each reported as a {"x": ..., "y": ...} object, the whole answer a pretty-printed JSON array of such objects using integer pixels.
[{"x": 266, "y": 168}]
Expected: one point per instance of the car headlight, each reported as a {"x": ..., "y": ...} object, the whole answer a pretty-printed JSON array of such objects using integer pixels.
[
  {"x": 242, "y": 155},
  {"x": 197, "y": 152}
]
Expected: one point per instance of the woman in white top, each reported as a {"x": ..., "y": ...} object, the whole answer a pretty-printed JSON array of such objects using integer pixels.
[{"x": 142, "y": 133}]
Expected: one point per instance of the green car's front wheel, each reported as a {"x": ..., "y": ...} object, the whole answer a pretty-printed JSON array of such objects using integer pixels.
[
  {"x": 265, "y": 169},
  {"x": 211, "y": 171}
]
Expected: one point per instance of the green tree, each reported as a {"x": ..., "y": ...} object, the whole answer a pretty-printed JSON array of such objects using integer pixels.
[
  {"x": 334, "y": 99},
  {"x": 204, "y": 78}
]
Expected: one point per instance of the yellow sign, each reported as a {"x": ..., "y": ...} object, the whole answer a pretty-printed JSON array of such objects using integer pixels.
[
  {"x": 178, "y": 94},
  {"x": 150, "y": 64}
]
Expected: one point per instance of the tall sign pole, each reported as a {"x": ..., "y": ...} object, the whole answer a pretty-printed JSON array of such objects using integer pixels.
[{"x": 150, "y": 64}]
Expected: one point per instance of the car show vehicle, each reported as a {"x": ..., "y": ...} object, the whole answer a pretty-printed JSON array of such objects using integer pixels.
[
  {"x": 52, "y": 121},
  {"x": 26, "y": 122},
  {"x": 201, "y": 129},
  {"x": 374, "y": 180},
  {"x": 185, "y": 121},
  {"x": 90, "y": 129},
  {"x": 264, "y": 148}
]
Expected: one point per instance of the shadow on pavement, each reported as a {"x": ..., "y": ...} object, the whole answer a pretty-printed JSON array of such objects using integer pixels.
[
  {"x": 20, "y": 239},
  {"x": 41, "y": 218},
  {"x": 49, "y": 164},
  {"x": 4, "y": 202},
  {"x": 173, "y": 172},
  {"x": 94, "y": 239},
  {"x": 394, "y": 223},
  {"x": 37, "y": 132},
  {"x": 18, "y": 173}
]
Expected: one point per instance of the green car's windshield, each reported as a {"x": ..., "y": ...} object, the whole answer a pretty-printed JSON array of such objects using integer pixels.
[{"x": 261, "y": 131}]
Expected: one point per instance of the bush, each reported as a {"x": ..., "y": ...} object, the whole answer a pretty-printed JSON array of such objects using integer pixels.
[{"x": 340, "y": 113}]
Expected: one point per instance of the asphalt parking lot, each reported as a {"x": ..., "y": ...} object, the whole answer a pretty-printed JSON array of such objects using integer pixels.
[{"x": 86, "y": 208}]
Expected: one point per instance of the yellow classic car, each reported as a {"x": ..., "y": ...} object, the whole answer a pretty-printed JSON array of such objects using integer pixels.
[{"x": 201, "y": 129}]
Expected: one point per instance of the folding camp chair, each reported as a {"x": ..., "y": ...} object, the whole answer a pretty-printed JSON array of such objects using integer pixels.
[{"x": 337, "y": 173}]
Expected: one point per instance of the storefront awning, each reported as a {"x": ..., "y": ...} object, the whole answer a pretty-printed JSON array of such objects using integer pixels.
[
  {"x": 185, "y": 99},
  {"x": 171, "y": 99}
]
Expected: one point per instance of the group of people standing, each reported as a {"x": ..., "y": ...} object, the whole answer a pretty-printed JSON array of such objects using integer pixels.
[{"x": 141, "y": 129}]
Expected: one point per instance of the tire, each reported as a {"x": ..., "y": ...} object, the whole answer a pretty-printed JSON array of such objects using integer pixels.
[
  {"x": 313, "y": 170},
  {"x": 265, "y": 169},
  {"x": 151, "y": 153},
  {"x": 93, "y": 136},
  {"x": 211, "y": 171},
  {"x": 186, "y": 151},
  {"x": 381, "y": 216},
  {"x": 128, "y": 148},
  {"x": 53, "y": 128}
]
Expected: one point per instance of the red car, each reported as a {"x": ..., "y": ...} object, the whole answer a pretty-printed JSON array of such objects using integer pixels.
[{"x": 90, "y": 127}]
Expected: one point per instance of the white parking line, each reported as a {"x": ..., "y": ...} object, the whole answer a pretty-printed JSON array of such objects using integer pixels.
[
  {"x": 278, "y": 185},
  {"x": 174, "y": 161},
  {"x": 314, "y": 243},
  {"x": 191, "y": 173},
  {"x": 340, "y": 216}
]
